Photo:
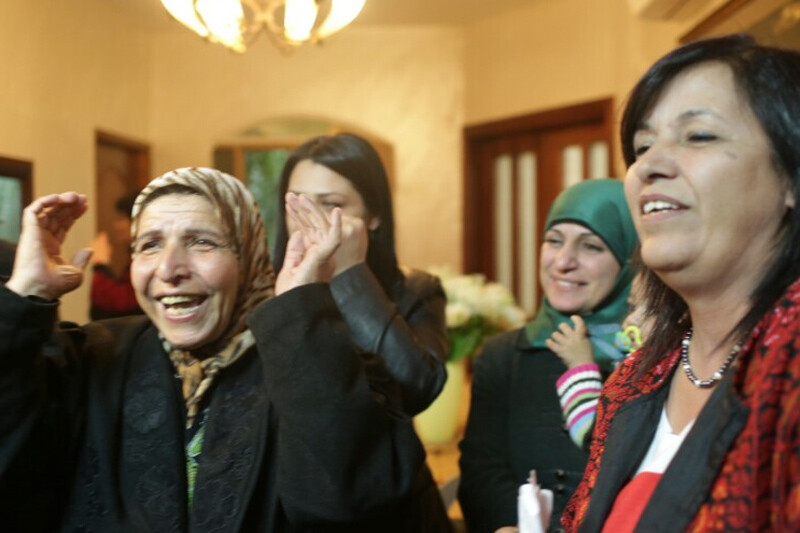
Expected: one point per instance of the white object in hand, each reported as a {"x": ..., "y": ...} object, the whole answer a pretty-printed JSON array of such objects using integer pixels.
[{"x": 534, "y": 506}]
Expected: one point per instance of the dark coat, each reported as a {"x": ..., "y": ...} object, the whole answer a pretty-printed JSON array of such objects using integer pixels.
[
  {"x": 297, "y": 437},
  {"x": 407, "y": 331},
  {"x": 515, "y": 425},
  {"x": 736, "y": 470}
]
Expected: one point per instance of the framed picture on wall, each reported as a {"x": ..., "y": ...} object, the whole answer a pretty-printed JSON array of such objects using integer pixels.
[{"x": 15, "y": 194}]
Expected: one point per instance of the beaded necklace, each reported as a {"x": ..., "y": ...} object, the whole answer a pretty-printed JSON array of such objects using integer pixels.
[{"x": 687, "y": 367}]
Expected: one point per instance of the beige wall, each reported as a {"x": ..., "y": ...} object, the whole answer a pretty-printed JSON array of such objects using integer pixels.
[
  {"x": 66, "y": 72},
  {"x": 552, "y": 54},
  {"x": 80, "y": 65},
  {"x": 404, "y": 85}
]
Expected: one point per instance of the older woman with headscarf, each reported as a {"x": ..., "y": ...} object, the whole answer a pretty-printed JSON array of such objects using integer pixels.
[
  {"x": 226, "y": 408},
  {"x": 516, "y": 423}
]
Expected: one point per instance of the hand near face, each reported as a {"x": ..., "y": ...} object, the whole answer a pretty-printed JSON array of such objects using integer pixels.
[
  {"x": 310, "y": 250},
  {"x": 39, "y": 269},
  {"x": 571, "y": 344},
  {"x": 353, "y": 249}
]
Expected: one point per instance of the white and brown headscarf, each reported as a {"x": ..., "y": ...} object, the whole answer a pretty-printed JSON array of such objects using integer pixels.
[{"x": 241, "y": 220}]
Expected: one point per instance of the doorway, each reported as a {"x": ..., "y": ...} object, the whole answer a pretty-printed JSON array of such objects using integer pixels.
[
  {"x": 122, "y": 167},
  {"x": 514, "y": 169}
]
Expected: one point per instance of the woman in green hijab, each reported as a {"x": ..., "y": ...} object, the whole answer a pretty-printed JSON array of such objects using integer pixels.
[{"x": 516, "y": 422}]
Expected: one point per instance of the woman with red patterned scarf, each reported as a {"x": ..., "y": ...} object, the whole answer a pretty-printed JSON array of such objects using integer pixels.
[{"x": 700, "y": 429}]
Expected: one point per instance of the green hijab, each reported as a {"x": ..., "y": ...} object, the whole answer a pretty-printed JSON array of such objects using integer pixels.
[{"x": 599, "y": 205}]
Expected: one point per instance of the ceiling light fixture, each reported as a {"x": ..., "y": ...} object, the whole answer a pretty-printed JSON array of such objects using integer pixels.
[{"x": 290, "y": 23}]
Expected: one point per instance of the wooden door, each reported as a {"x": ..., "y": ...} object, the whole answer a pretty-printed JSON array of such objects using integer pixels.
[
  {"x": 514, "y": 170},
  {"x": 122, "y": 167}
]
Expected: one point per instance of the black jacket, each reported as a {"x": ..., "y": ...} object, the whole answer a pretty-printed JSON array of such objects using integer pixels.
[
  {"x": 407, "y": 332},
  {"x": 515, "y": 425},
  {"x": 297, "y": 437}
]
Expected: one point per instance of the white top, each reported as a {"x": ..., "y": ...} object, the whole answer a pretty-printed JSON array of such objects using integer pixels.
[{"x": 664, "y": 446}]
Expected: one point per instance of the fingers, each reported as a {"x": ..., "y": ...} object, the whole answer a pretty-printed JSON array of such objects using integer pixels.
[
  {"x": 319, "y": 229},
  {"x": 565, "y": 328},
  {"x": 333, "y": 237},
  {"x": 580, "y": 325},
  {"x": 81, "y": 258},
  {"x": 554, "y": 347},
  {"x": 354, "y": 245},
  {"x": 308, "y": 216},
  {"x": 315, "y": 216},
  {"x": 56, "y": 213},
  {"x": 295, "y": 250}
]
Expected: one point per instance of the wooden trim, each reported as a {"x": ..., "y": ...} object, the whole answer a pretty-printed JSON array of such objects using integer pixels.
[
  {"x": 113, "y": 139},
  {"x": 731, "y": 17},
  {"x": 478, "y": 136},
  {"x": 138, "y": 151},
  {"x": 21, "y": 170},
  {"x": 574, "y": 114},
  {"x": 256, "y": 145}
]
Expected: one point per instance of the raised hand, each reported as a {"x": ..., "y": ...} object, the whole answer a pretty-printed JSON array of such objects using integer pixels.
[
  {"x": 310, "y": 250},
  {"x": 39, "y": 269},
  {"x": 571, "y": 344},
  {"x": 353, "y": 249}
]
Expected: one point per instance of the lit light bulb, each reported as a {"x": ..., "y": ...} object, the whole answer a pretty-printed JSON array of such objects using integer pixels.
[{"x": 298, "y": 19}]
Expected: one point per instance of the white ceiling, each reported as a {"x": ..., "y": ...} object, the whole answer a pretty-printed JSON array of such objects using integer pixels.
[{"x": 375, "y": 13}]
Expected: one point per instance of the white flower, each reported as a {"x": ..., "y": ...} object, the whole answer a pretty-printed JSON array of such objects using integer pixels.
[
  {"x": 470, "y": 295},
  {"x": 457, "y": 314}
]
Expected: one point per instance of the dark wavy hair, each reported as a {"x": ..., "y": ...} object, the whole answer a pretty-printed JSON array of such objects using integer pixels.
[
  {"x": 768, "y": 79},
  {"x": 356, "y": 160}
]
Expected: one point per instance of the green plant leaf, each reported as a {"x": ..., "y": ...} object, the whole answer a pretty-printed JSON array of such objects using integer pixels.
[{"x": 464, "y": 341}]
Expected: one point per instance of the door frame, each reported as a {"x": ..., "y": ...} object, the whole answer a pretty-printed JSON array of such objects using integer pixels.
[
  {"x": 139, "y": 153},
  {"x": 476, "y": 136}
]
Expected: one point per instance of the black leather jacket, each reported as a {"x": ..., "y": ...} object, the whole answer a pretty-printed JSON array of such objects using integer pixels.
[{"x": 407, "y": 330}]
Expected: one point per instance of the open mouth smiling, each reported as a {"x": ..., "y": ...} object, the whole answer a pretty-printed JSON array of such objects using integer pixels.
[
  {"x": 181, "y": 305},
  {"x": 567, "y": 284},
  {"x": 658, "y": 206}
]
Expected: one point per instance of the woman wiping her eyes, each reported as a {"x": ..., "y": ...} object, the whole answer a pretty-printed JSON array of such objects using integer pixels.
[{"x": 394, "y": 313}]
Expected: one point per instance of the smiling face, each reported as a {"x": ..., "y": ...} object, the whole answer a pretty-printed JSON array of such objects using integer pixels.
[
  {"x": 184, "y": 270},
  {"x": 705, "y": 196},
  {"x": 576, "y": 269},
  {"x": 328, "y": 189}
]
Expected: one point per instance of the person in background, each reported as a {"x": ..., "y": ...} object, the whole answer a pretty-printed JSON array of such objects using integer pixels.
[
  {"x": 698, "y": 430},
  {"x": 112, "y": 293},
  {"x": 238, "y": 403},
  {"x": 394, "y": 313},
  {"x": 515, "y": 421}
]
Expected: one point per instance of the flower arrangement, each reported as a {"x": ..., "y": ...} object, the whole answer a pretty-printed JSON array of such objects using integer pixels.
[{"x": 476, "y": 310}]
